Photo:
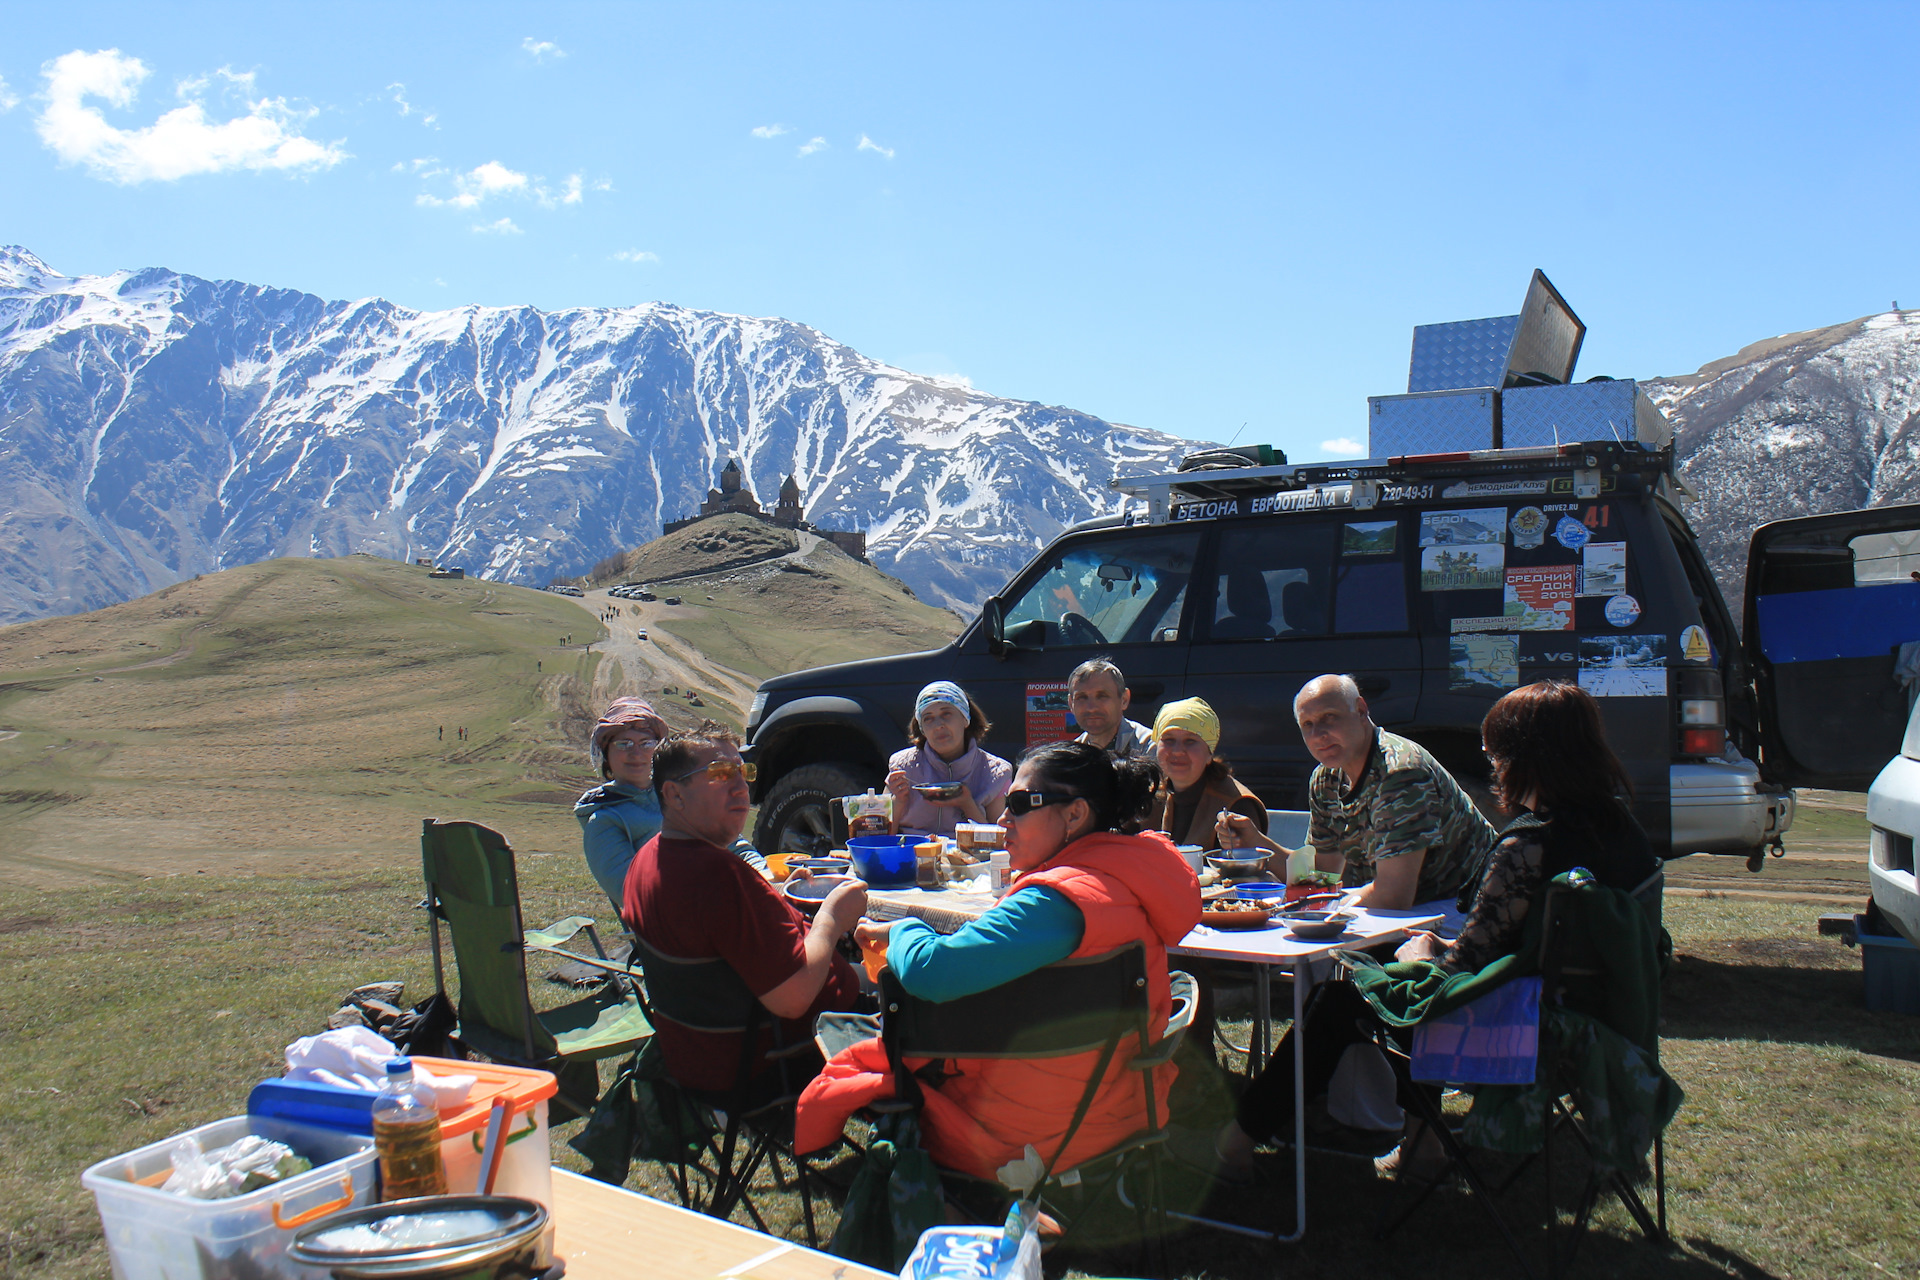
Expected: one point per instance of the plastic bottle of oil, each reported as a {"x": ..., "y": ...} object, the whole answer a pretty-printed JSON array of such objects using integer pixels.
[{"x": 406, "y": 1133}]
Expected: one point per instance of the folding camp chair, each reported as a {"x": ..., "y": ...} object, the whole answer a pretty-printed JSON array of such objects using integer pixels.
[
  {"x": 1572, "y": 976},
  {"x": 708, "y": 996},
  {"x": 1073, "y": 1007},
  {"x": 472, "y": 887}
]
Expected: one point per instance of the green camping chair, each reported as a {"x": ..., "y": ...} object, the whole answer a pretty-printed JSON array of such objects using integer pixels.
[{"x": 471, "y": 885}]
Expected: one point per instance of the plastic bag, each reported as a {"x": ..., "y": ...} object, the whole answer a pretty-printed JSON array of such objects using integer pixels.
[{"x": 233, "y": 1170}]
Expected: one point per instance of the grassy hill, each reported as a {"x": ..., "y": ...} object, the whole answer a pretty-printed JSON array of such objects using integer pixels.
[{"x": 295, "y": 716}]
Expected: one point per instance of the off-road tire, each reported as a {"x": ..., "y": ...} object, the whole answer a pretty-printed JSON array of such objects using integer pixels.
[{"x": 797, "y": 815}]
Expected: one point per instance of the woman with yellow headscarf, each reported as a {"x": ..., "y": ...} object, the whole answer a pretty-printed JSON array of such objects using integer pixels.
[{"x": 1198, "y": 785}]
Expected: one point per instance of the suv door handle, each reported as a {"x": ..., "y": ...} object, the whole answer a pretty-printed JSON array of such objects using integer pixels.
[{"x": 1373, "y": 686}]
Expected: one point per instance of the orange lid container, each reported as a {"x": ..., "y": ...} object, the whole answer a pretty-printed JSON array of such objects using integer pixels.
[{"x": 520, "y": 1086}]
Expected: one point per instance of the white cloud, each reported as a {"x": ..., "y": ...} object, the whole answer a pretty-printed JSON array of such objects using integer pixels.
[
  {"x": 571, "y": 192},
  {"x": 501, "y": 227},
  {"x": 635, "y": 255},
  {"x": 542, "y": 49},
  {"x": 398, "y": 93},
  {"x": 8, "y": 98},
  {"x": 477, "y": 184},
  {"x": 812, "y": 145},
  {"x": 770, "y": 130},
  {"x": 182, "y": 142},
  {"x": 868, "y": 144},
  {"x": 1343, "y": 447}
]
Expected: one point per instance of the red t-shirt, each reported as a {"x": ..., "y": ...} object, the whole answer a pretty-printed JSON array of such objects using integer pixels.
[{"x": 696, "y": 901}]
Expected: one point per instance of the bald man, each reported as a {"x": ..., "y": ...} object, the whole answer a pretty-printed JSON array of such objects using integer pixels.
[{"x": 1386, "y": 814}]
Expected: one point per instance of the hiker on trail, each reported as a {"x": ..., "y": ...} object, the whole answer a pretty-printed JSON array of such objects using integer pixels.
[{"x": 440, "y": 734}]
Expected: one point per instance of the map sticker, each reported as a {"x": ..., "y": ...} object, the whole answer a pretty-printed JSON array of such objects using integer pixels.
[
  {"x": 1603, "y": 569},
  {"x": 1463, "y": 568},
  {"x": 1529, "y": 525},
  {"x": 1541, "y": 598},
  {"x": 1455, "y": 528},
  {"x": 1624, "y": 666},
  {"x": 1571, "y": 534},
  {"x": 1371, "y": 538},
  {"x": 1623, "y": 611},
  {"x": 1048, "y": 719},
  {"x": 1483, "y": 664},
  {"x": 1694, "y": 646}
]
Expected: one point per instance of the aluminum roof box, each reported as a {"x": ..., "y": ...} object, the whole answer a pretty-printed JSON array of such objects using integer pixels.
[
  {"x": 1433, "y": 422},
  {"x": 1613, "y": 410},
  {"x": 1495, "y": 352}
]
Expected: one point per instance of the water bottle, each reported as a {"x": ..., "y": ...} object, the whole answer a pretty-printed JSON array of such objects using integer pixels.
[{"x": 406, "y": 1133}]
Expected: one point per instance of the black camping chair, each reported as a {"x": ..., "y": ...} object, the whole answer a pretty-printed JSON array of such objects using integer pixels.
[
  {"x": 708, "y": 996},
  {"x": 1573, "y": 976},
  {"x": 1073, "y": 1007}
]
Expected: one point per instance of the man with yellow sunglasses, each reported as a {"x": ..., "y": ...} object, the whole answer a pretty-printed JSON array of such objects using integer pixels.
[{"x": 689, "y": 896}]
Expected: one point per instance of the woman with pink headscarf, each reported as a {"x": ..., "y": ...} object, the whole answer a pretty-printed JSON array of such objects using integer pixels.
[{"x": 623, "y": 813}]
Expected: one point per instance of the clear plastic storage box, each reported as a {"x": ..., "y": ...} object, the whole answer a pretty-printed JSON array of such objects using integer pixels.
[{"x": 156, "y": 1235}]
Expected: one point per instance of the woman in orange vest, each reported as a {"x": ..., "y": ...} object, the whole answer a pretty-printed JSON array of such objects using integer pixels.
[{"x": 1088, "y": 881}]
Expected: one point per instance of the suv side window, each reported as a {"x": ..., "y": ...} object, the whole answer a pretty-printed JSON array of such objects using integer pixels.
[
  {"x": 1273, "y": 579},
  {"x": 1370, "y": 578},
  {"x": 1128, "y": 590}
]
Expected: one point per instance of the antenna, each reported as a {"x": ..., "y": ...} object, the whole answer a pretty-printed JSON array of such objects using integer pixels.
[{"x": 1236, "y": 435}]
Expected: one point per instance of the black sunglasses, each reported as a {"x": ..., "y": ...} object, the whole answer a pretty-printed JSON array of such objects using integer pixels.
[{"x": 1021, "y": 803}]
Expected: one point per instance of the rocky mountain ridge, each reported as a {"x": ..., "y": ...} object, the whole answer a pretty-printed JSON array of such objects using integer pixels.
[{"x": 154, "y": 425}]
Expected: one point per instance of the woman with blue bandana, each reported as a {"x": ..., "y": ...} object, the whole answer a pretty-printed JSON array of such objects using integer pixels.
[{"x": 947, "y": 728}]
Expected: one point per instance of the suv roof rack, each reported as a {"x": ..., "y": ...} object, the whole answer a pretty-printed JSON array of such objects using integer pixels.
[{"x": 1314, "y": 482}]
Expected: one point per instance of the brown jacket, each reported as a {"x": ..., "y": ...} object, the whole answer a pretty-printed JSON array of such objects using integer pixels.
[{"x": 1227, "y": 793}]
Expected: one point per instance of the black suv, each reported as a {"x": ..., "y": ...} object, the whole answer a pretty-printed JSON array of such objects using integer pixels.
[{"x": 1473, "y": 553}]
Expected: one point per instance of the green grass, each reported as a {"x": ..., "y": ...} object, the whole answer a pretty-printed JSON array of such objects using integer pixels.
[{"x": 141, "y": 1009}]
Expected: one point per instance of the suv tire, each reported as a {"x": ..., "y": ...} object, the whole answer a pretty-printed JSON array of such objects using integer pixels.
[{"x": 797, "y": 815}]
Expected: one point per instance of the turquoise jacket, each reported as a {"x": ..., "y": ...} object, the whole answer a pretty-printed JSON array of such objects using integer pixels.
[{"x": 615, "y": 820}]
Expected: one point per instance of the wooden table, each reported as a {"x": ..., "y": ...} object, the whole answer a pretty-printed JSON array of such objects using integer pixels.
[{"x": 605, "y": 1232}]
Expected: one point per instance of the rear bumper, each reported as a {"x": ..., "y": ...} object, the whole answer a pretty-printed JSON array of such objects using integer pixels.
[{"x": 1720, "y": 806}]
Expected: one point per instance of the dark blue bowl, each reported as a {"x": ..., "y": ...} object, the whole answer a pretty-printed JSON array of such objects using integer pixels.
[
  {"x": 1257, "y": 890},
  {"x": 884, "y": 862}
]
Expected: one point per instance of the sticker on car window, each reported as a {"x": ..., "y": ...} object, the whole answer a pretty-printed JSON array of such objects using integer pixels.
[
  {"x": 1694, "y": 646},
  {"x": 1462, "y": 568},
  {"x": 1483, "y": 664},
  {"x": 1624, "y": 666},
  {"x": 1603, "y": 569},
  {"x": 1571, "y": 534},
  {"x": 1529, "y": 525},
  {"x": 1541, "y": 598},
  {"x": 1623, "y": 611},
  {"x": 1372, "y": 538},
  {"x": 1462, "y": 528}
]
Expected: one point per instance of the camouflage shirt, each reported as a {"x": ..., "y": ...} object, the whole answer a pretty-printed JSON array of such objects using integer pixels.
[{"x": 1404, "y": 802}]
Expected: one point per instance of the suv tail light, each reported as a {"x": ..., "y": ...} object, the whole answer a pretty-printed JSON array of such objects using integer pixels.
[{"x": 1702, "y": 710}]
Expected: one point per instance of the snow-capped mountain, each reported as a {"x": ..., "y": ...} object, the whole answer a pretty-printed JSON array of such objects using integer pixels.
[
  {"x": 1803, "y": 424},
  {"x": 155, "y": 425}
]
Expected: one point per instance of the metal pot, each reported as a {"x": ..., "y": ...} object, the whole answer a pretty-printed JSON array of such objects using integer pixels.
[{"x": 516, "y": 1245}]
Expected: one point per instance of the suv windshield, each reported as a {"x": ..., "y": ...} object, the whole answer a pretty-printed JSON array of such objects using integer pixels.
[{"x": 1123, "y": 591}]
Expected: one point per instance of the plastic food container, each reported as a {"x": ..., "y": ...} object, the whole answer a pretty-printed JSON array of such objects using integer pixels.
[
  {"x": 526, "y": 1167},
  {"x": 156, "y": 1235}
]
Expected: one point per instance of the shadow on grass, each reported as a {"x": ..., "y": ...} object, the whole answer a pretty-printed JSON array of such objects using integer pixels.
[{"x": 1779, "y": 991}]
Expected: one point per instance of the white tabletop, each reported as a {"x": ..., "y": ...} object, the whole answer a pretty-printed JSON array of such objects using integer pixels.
[{"x": 1275, "y": 944}]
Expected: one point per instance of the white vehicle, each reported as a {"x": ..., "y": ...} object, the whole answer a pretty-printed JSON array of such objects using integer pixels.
[
  {"x": 1832, "y": 628},
  {"x": 640, "y": 634}
]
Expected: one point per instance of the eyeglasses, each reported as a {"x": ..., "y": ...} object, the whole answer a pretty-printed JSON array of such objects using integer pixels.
[
  {"x": 632, "y": 744},
  {"x": 1022, "y": 803},
  {"x": 719, "y": 771}
]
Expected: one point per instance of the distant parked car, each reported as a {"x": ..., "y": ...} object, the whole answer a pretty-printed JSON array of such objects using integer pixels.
[
  {"x": 641, "y": 634},
  {"x": 672, "y": 600},
  {"x": 645, "y": 597}
]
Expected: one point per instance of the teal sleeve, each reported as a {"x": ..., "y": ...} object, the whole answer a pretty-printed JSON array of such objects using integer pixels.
[{"x": 1030, "y": 929}]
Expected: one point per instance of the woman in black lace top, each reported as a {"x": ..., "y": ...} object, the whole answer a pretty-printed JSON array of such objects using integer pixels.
[{"x": 1552, "y": 769}]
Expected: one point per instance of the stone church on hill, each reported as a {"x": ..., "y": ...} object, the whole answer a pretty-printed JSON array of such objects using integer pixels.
[{"x": 733, "y": 497}]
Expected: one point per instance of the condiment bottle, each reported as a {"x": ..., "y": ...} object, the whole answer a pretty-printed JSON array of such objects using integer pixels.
[{"x": 406, "y": 1134}]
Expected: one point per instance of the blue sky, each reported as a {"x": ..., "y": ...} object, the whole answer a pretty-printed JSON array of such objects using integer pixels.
[{"x": 1185, "y": 216}]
